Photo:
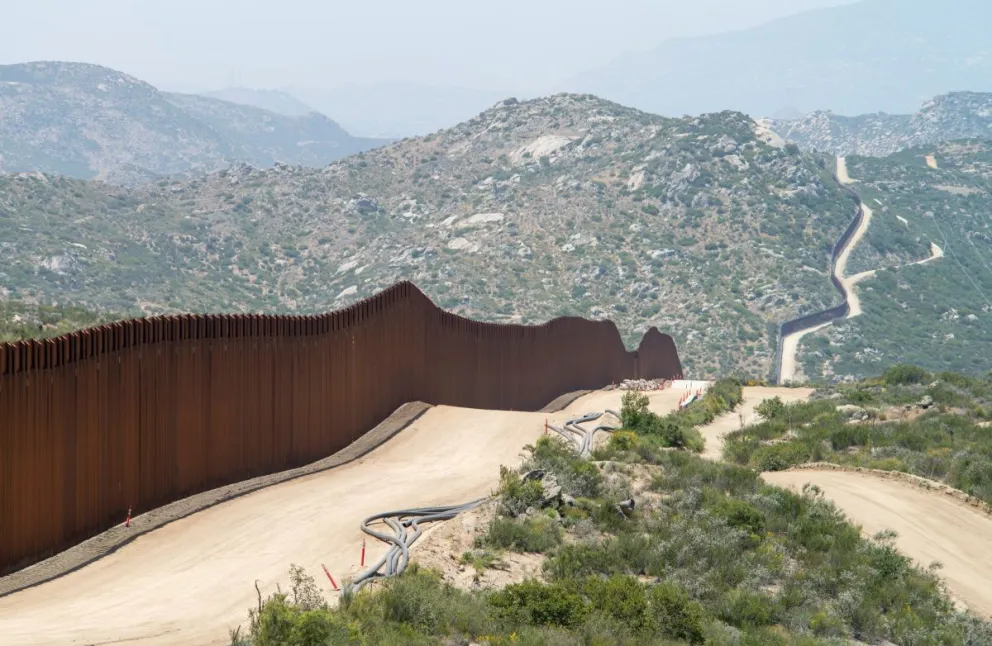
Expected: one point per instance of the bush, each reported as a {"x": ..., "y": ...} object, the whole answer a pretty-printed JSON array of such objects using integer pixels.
[
  {"x": 539, "y": 535},
  {"x": 740, "y": 514},
  {"x": 516, "y": 495},
  {"x": 771, "y": 408},
  {"x": 576, "y": 476},
  {"x": 539, "y": 604},
  {"x": 905, "y": 374},
  {"x": 623, "y": 441},
  {"x": 676, "y": 615},
  {"x": 621, "y": 598}
]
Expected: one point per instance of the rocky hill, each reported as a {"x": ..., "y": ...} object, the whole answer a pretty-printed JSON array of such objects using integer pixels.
[
  {"x": 919, "y": 308},
  {"x": 707, "y": 227},
  {"x": 91, "y": 122},
  {"x": 959, "y": 115}
]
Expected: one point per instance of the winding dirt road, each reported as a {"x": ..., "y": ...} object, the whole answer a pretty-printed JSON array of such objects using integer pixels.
[
  {"x": 192, "y": 580},
  {"x": 745, "y": 415},
  {"x": 790, "y": 343},
  {"x": 930, "y": 526}
]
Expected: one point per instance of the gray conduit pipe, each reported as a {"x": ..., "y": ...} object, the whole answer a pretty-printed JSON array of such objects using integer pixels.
[{"x": 401, "y": 522}]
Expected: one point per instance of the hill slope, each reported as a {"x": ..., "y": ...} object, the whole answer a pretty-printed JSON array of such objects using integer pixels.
[
  {"x": 938, "y": 313},
  {"x": 271, "y": 100},
  {"x": 89, "y": 122},
  {"x": 874, "y": 55},
  {"x": 563, "y": 205},
  {"x": 958, "y": 115}
]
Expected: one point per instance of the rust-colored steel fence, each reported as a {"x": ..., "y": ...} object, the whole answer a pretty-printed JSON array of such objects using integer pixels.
[{"x": 145, "y": 412}]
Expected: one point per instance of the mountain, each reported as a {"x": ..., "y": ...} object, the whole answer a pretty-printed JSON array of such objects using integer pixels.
[
  {"x": 888, "y": 55},
  {"x": 271, "y": 100},
  {"x": 311, "y": 139},
  {"x": 91, "y": 122},
  {"x": 925, "y": 304},
  {"x": 707, "y": 227},
  {"x": 399, "y": 109},
  {"x": 958, "y": 115}
]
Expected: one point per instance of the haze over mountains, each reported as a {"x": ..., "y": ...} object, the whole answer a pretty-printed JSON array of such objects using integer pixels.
[
  {"x": 88, "y": 121},
  {"x": 875, "y": 55}
]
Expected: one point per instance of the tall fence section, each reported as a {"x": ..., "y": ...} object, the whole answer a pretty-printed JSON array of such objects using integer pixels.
[{"x": 145, "y": 412}]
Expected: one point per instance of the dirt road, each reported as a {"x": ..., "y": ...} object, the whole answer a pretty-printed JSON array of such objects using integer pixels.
[
  {"x": 713, "y": 433},
  {"x": 842, "y": 171},
  {"x": 192, "y": 580},
  {"x": 931, "y": 527}
]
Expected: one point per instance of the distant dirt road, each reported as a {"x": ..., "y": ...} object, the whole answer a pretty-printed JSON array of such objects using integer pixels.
[
  {"x": 192, "y": 580},
  {"x": 840, "y": 269},
  {"x": 931, "y": 527},
  {"x": 842, "y": 171},
  {"x": 790, "y": 344}
]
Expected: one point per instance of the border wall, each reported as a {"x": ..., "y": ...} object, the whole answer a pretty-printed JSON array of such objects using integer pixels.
[
  {"x": 837, "y": 312},
  {"x": 145, "y": 412}
]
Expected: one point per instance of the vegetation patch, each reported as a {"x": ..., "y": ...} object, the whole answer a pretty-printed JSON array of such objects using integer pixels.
[{"x": 653, "y": 545}]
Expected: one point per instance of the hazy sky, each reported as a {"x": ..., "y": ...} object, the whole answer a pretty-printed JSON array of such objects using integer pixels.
[{"x": 523, "y": 45}]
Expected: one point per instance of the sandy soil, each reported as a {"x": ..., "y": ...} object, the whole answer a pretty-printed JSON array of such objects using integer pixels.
[
  {"x": 840, "y": 270},
  {"x": 713, "y": 432},
  {"x": 192, "y": 580},
  {"x": 790, "y": 344},
  {"x": 842, "y": 171},
  {"x": 931, "y": 527}
]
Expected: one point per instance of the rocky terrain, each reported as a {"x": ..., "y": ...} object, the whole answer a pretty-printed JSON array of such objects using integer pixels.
[
  {"x": 935, "y": 314},
  {"x": 707, "y": 227},
  {"x": 91, "y": 122},
  {"x": 959, "y": 115}
]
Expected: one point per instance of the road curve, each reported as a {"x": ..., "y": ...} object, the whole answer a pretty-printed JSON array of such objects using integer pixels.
[
  {"x": 193, "y": 579},
  {"x": 753, "y": 395},
  {"x": 930, "y": 526}
]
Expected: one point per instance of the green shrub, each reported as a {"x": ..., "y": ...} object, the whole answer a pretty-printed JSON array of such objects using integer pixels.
[
  {"x": 540, "y": 534},
  {"x": 623, "y": 441},
  {"x": 740, "y": 514},
  {"x": 778, "y": 457},
  {"x": 621, "y": 598},
  {"x": 748, "y": 609},
  {"x": 771, "y": 408},
  {"x": 676, "y": 615},
  {"x": 577, "y": 477},
  {"x": 516, "y": 495},
  {"x": 540, "y": 604},
  {"x": 905, "y": 374}
]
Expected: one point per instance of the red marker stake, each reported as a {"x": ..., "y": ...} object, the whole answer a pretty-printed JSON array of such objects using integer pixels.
[
  {"x": 327, "y": 572},
  {"x": 363, "y": 553}
]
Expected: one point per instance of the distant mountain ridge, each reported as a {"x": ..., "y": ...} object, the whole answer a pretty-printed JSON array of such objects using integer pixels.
[
  {"x": 958, "y": 115},
  {"x": 873, "y": 55},
  {"x": 91, "y": 122},
  {"x": 272, "y": 100}
]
